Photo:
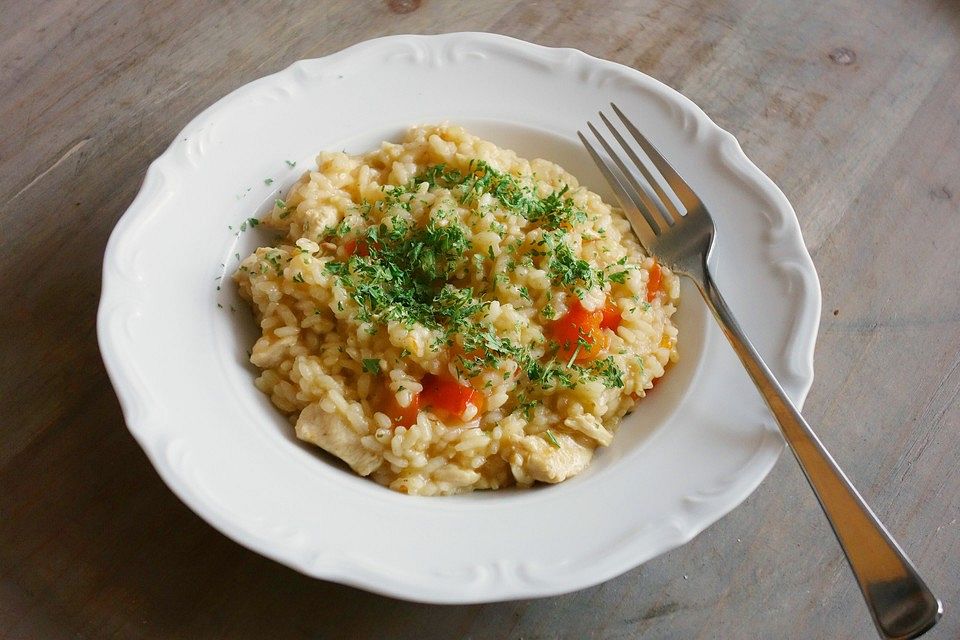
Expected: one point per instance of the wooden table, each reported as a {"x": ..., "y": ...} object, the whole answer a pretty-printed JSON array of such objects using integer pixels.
[{"x": 852, "y": 107}]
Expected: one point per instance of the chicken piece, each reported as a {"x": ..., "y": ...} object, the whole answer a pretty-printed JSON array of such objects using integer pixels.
[
  {"x": 333, "y": 434},
  {"x": 544, "y": 462}
]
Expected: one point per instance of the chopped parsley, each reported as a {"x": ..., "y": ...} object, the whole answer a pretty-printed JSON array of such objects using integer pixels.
[
  {"x": 552, "y": 211},
  {"x": 551, "y": 374},
  {"x": 568, "y": 270},
  {"x": 552, "y": 439},
  {"x": 285, "y": 209},
  {"x": 525, "y": 406},
  {"x": 608, "y": 372},
  {"x": 405, "y": 276},
  {"x": 414, "y": 273},
  {"x": 274, "y": 258}
]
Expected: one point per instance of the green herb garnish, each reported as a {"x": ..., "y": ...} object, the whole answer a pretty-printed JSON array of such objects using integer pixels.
[
  {"x": 608, "y": 372},
  {"x": 552, "y": 439},
  {"x": 412, "y": 274},
  {"x": 552, "y": 211}
]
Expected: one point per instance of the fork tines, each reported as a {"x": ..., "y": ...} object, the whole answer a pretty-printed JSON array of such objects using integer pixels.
[{"x": 633, "y": 182}]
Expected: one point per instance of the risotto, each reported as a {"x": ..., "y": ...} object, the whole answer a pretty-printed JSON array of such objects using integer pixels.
[{"x": 445, "y": 316}]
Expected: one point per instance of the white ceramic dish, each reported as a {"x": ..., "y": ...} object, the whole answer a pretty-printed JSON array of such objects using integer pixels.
[{"x": 694, "y": 449}]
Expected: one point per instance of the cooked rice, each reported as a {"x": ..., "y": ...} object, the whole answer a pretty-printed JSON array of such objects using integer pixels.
[{"x": 316, "y": 338}]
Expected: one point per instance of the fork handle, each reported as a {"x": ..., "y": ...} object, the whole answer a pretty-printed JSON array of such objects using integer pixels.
[{"x": 901, "y": 604}]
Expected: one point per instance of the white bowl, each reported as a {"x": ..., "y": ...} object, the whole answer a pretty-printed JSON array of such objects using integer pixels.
[{"x": 694, "y": 449}]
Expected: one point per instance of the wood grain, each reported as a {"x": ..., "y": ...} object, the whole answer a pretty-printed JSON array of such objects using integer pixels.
[{"x": 853, "y": 107}]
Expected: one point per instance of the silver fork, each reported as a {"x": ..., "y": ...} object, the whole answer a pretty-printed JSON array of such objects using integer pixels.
[{"x": 901, "y": 604}]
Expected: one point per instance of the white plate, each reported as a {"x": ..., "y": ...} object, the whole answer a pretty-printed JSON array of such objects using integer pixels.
[{"x": 695, "y": 448}]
